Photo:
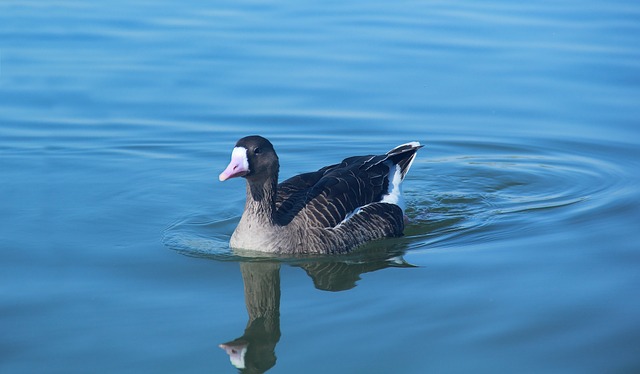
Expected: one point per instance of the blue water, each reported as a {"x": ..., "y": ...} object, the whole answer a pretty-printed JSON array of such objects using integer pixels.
[{"x": 522, "y": 252}]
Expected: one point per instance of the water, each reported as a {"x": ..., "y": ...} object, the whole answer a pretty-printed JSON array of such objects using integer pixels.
[{"x": 521, "y": 254}]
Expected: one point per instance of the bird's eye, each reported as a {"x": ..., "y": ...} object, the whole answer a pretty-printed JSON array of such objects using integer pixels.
[{"x": 257, "y": 151}]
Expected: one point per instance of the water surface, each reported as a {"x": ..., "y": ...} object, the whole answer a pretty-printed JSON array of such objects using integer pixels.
[{"x": 521, "y": 254}]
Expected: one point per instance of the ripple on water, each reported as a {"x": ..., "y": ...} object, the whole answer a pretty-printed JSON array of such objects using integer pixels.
[
  {"x": 483, "y": 192},
  {"x": 201, "y": 236},
  {"x": 489, "y": 195}
]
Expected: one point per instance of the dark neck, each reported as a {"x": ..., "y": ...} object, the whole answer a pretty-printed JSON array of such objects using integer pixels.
[{"x": 261, "y": 199}]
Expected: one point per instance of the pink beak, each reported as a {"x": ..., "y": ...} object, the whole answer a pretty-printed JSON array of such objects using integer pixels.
[{"x": 239, "y": 165}]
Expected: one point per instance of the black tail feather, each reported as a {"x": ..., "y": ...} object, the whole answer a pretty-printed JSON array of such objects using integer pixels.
[{"x": 403, "y": 156}]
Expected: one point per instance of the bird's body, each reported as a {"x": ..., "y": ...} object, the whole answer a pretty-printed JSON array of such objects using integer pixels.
[{"x": 332, "y": 210}]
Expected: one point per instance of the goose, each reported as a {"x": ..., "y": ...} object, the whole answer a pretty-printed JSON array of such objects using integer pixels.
[{"x": 330, "y": 211}]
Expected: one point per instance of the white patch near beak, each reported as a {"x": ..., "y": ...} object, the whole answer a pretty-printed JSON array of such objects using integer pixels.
[
  {"x": 239, "y": 165},
  {"x": 236, "y": 353}
]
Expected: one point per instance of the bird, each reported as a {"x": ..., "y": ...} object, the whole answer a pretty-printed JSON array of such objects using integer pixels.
[{"x": 333, "y": 210}]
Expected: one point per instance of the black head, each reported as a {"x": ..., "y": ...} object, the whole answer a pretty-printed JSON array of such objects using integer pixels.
[{"x": 253, "y": 158}]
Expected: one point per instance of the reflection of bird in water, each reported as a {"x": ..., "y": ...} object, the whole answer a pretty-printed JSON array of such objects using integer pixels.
[
  {"x": 342, "y": 276},
  {"x": 254, "y": 351}
]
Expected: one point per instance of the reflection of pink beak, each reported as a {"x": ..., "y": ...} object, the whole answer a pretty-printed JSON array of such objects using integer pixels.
[{"x": 239, "y": 165}]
